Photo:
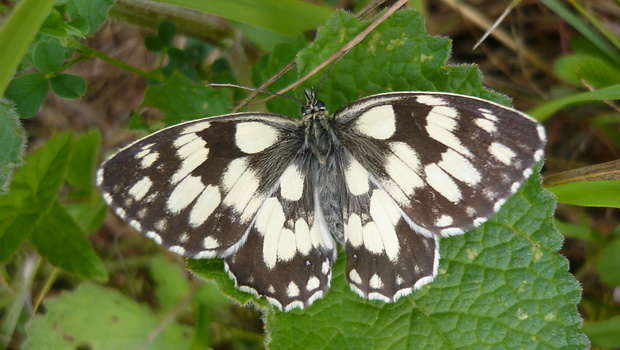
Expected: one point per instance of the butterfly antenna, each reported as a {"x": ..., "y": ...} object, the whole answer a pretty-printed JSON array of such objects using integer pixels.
[
  {"x": 255, "y": 90},
  {"x": 330, "y": 70}
]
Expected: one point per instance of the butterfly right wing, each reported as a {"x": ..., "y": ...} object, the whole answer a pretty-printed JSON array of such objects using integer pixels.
[{"x": 196, "y": 187}]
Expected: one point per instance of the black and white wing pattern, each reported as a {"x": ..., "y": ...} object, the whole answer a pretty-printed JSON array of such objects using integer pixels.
[
  {"x": 228, "y": 187},
  {"x": 386, "y": 176},
  {"x": 424, "y": 166}
]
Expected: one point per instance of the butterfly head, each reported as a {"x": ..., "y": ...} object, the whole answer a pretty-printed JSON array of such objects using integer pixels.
[{"x": 313, "y": 109}]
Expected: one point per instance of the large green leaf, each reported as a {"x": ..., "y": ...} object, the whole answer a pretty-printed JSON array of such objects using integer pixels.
[
  {"x": 34, "y": 188},
  {"x": 96, "y": 318},
  {"x": 501, "y": 285}
]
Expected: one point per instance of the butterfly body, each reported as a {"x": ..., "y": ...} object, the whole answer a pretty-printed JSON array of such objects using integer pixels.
[{"x": 385, "y": 176}]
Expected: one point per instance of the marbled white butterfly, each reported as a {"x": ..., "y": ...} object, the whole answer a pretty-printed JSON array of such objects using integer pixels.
[{"x": 386, "y": 176}]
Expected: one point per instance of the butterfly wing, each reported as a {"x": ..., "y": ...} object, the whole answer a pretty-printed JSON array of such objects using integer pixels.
[
  {"x": 425, "y": 165},
  {"x": 228, "y": 187},
  {"x": 290, "y": 251}
]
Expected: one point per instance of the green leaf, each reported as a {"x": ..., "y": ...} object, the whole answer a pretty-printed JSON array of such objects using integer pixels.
[
  {"x": 33, "y": 190},
  {"x": 84, "y": 160},
  {"x": 93, "y": 317},
  {"x": 501, "y": 285},
  {"x": 595, "y": 71},
  {"x": 28, "y": 92},
  {"x": 577, "y": 231},
  {"x": 170, "y": 282},
  {"x": 16, "y": 34},
  {"x": 62, "y": 242},
  {"x": 166, "y": 32},
  {"x": 608, "y": 262},
  {"x": 289, "y": 18},
  {"x": 605, "y": 193},
  {"x": 397, "y": 56},
  {"x": 605, "y": 333},
  {"x": 48, "y": 56},
  {"x": 68, "y": 86},
  {"x": 12, "y": 143},
  {"x": 181, "y": 99},
  {"x": 153, "y": 43},
  {"x": 94, "y": 12},
  {"x": 544, "y": 111}
]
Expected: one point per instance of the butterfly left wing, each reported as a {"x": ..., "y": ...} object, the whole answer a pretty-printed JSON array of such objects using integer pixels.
[{"x": 424, "y": 165}]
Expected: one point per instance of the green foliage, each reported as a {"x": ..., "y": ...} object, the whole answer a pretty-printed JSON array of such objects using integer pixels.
[
  {"x": 49, "y": 48},
  {"x": 112, "y": 321},
  {"x": 604, "y": 193},
  {"x": 12, "y": 143},
  {"x": 31, "y": 212},
  {"x": 273, "y": 15}
]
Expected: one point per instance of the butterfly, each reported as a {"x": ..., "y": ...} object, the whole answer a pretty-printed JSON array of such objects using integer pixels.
[{"x": 385, "y": 176}]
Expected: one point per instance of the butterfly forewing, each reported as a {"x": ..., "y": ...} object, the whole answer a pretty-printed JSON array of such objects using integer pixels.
[
  {"x": 386, "y": 176},
  {"x": 196, "y": 187}
]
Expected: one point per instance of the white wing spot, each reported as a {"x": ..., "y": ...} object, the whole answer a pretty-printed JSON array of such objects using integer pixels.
[
  {"x": 161, "y": 225},
  {"x": 376, "y": 282},
  {"x": 442, "y": 183},
  {"x": 441, "y": 124},
  {"x": 278, "y": 242},
  {"x": 154, "y": 236},
  {"x": 121, "y": 213},
  {"x": 292, "y": 183},
  {"x": 459, "y": 167},
  {"x": 140, "y": 188},
  {"x": 353, "y": 231},
  {"x": 184, "y": 237},
  {"x": 444, "y": 220},
  {"x": 403, "y": 175},
  {"x": 292, "y": 290},
  {"x": 325, "y": 267},
  {"x": 302, "y": 236},
  {"x": 184, "y": 193},
  {"x": 380, "y": 234},
  {"x": 499, "y": 204},
  {"x": 209, "y": 199},
  {"x": 210, "y": 243},
  {"x": 242, "y": 190},
  {"x": 197, "y": 127},
  {"x": 486, "y": 125},
  {"x": 192, "y": 152},
  {"x": 357, "y": 178},
  {"x": 355, "y": 277},
  {"x": 430, "y": 100},
  {"x": 502, "y": 153},
  {"x": 313, "y": 283},
  {"x": 148, "y": 160},
  {"x": 254, "y": 137},
  {"x": 136, "y": 224},
  {"x": 177, "y": 249},
  {"x": 377, "y": 122},
  {"x": 541, "y": 132},
  {"x": 488, "y": 114}
]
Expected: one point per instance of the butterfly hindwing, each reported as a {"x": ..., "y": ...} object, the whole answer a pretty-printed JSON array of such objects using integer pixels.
[{"x": 289, "y": 249}]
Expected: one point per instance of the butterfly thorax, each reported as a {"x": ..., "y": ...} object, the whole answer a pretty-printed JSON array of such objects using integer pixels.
[{"x": 323, "y": 155}]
